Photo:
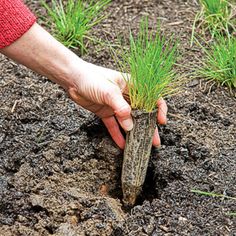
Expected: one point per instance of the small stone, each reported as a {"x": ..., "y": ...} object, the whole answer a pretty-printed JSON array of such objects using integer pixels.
[
  {"x": 49, "y": 154},
  {"x": 21, "y": 219},
  {"x": 100, "y": 226},
  {"x": 103, "y": 189},
  {"x": 183, "y": 219},
  {"x": 74, "y": 220},
  {"x": 2, "y": 136},
  {"x": 193, "y": 83},
  {"x": 37, "y": 200},
  {"x": 164, "y": 228},
  {"x": 73, "y": 206}
]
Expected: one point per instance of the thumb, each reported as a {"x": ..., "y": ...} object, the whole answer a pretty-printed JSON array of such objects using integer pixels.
[{"x": 121, "y": 109}]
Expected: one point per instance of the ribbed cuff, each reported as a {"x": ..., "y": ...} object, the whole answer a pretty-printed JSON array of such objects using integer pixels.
[{"x": 15, "y": 20}]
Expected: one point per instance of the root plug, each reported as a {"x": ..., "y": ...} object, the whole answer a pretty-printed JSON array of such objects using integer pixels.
[{"x": 137, "y": 155}]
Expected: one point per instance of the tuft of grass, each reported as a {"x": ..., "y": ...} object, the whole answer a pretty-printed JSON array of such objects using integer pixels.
[
  {"x": 72, "y": 20},
  {"x": 215, "y": 16},
  {"x": 215, "y": 7},
  {"x": 219, "y": 63},
  {"x": 149, "y": 59}
]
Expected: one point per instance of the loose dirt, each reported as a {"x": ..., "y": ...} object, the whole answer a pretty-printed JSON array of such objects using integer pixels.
[{"x": 60, "y": 171}]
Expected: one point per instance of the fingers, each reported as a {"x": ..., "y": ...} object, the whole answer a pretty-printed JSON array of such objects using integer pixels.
[
  {"x": 161, "y": 119},
  {"x": 121, "y": 81},
  {"x": 162, "y": 112},
  {"x": 123, "y": 115},
  {"x": 124, "y": 118},
  {"x": 121, "y": 109},
  {"x": 156, "y": 139},
  {"x": 114, "y": 130}
]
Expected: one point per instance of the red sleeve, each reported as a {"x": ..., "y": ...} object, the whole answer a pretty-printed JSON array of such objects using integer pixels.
[{"x": 15, "y": 20}]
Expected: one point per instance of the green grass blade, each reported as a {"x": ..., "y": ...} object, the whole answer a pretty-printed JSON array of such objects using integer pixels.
[
  {"x": 73, "y": 20},
  {"x": 150, "y": 60},
  {"x": 210, "y": 194}
]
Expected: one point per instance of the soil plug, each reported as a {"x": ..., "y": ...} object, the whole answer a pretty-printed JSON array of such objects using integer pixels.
[
  {"x": 149, "y": 60},
  {"x": 137, "y": 154}
]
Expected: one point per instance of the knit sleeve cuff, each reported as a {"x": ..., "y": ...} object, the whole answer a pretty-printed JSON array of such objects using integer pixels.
[{"x": 15, "y": 20}]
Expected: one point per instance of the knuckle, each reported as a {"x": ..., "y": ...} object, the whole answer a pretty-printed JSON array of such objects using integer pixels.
[
  {"x": 123, "y": 111},
  {"x": 109, "y": 95}
]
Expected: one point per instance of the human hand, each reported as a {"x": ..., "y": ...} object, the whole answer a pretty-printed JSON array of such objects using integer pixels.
[
  {"x": 95, "y": 88},
  {"x": 101, "y": 91}
]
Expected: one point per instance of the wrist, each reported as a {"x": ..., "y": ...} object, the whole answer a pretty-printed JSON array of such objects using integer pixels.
[{"x": 66, "y": 70}]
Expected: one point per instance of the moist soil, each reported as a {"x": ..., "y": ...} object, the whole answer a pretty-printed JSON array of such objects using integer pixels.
[{"x": 60, "y": 171}]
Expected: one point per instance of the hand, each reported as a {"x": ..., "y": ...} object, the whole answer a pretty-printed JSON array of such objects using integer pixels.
[
  {"x": 95, "y": 88},
  {"x": 100, "y": 91}
]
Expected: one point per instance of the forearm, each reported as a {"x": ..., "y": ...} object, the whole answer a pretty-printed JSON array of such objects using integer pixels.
[{"x": 39, "y": 51}]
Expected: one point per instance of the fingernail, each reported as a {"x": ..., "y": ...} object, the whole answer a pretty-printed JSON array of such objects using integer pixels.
[{"x": 128, "y": 124}]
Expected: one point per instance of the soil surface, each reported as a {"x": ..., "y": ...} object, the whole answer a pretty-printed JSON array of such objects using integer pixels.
[{"x": 60, "y": 170}]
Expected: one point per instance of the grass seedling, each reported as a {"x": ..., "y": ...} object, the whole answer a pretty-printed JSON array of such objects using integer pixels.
[
  {"x": 231, "y": 214},
  {"x": 150, "y": 61},
  {"x": 219, "y": 63},
  {"x": 72, "y": 20},
  {"x": 210, "y": 194},
  {"x": 215, "y": 16}
]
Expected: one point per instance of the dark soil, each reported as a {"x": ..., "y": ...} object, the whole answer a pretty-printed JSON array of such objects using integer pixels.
[{"x": 60, "y": 171}]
